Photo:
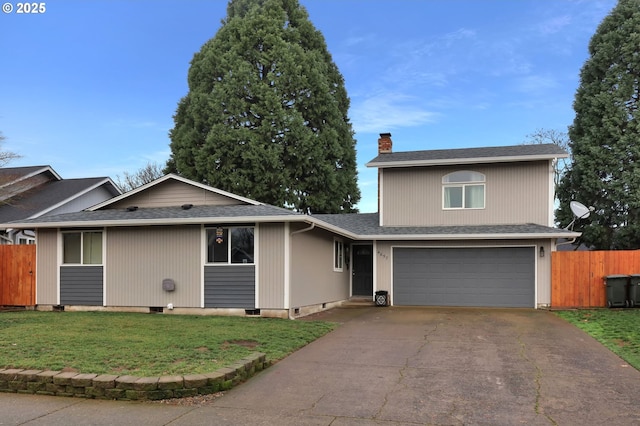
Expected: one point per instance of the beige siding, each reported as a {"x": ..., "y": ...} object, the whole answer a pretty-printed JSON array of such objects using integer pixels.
[
  {"x": 313, "y": 279},
  {"x": 174, "y": 193},
  {"x": 47, "y": 267},
  {"x": 271, "y": 264},
  {"x": 384, "y": 261},
  {"x": 138, "y": 259},
  {"x": 515, "y": 193}
]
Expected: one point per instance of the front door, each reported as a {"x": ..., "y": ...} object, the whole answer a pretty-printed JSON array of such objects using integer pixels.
[{"x": 362, "y": 269}]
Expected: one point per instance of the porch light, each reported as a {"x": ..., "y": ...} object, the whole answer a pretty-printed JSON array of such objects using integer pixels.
[{"x": 541, "y": 251}]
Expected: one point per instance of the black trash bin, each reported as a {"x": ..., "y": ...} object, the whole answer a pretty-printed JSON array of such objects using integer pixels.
[
  {"x": 616, "y": 290},
  {"x": 634, "y": 290},
  {"x": 382, "y": 298}
]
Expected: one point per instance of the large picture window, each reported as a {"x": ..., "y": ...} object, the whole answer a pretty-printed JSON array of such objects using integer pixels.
[
  {"x": 82, "y": 248},
  {"x": 230, "y": 245},
  {"x": 463, "y": 190}
]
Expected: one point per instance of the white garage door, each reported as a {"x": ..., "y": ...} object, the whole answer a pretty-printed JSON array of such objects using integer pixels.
[{"x": 495, "y": 276}]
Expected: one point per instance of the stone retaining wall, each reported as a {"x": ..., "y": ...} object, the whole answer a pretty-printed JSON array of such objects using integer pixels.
[{"x": 105, "y": 386}]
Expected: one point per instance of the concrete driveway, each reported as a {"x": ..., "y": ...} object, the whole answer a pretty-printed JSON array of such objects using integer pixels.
[{"x": 402, "y": 366}]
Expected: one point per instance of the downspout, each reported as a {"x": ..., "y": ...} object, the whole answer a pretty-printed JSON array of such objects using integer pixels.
[
  {"x": 573, "y": 240},
  {"x": 300, "y": 231}
]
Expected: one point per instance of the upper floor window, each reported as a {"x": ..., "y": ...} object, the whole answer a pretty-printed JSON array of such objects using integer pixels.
[
  {"x": 463, "y": 190},
  {"x": 230, "y": 245},
  {"x": 83, "y": 248}
]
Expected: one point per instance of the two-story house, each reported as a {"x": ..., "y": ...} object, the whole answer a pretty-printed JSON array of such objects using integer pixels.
[{"x": 459, "y": 227}]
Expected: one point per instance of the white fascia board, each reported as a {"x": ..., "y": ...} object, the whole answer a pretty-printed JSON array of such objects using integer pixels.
[
  {"x": 332, "y": 228},
  {"x": 151, "y": 222},
  {"x": 460, "y": 161},
  {"x": 441, "y": 237},
  {"x": 181, "y": 221},
  {"x": 178, "y": 178}
]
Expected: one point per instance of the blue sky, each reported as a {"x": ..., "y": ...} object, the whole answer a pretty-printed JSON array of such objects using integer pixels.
[{"x": 90, "y": 87}]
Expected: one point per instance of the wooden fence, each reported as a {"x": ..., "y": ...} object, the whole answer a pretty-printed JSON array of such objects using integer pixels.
[
  {"x": 17, "y": 275},
  {"x": 577, "y": 277}
]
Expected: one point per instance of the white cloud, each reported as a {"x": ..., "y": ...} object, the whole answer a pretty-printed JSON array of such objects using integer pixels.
[
  {"x": 130, "y": 123},
  {"x": 387, "y": 111},
  {"x": 534, "y": 84},
  {"x": 554, "y": 25}
]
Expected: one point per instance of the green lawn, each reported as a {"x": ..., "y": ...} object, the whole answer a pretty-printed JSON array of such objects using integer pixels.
[
  {"x": 617, "y": 329},
  {"x": 144, "y": 344}
]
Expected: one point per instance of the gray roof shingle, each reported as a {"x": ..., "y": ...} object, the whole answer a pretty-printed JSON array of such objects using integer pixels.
[
  {"x": 368, "y": 224},
  {"x": 467, "y": 155},
  {"x": 171, "y": 215}
]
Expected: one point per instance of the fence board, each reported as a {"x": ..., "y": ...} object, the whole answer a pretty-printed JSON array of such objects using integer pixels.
[
  {"x": 17, "y": 275},
  {"x": 577, "y": 278}
]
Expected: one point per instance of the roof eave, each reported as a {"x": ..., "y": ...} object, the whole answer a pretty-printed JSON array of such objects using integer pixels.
[
  {"x": 153, "y": 222},
  {"x": 440, "y": 237},
  {"x": 459, "y": 161}
]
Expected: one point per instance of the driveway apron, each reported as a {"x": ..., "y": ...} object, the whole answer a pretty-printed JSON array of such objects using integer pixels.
[
  {"x": 448, "y": 367},
  {"x": 408, "y": 366}
]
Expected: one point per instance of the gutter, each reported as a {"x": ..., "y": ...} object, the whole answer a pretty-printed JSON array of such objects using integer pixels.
[{"x": 300, "y": 231}]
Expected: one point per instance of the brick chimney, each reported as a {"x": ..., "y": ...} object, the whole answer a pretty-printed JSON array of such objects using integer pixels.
[{"x": 384, "y": 143}]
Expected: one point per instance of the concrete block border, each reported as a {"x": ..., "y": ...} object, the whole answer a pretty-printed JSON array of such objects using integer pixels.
[{"x": 105, "y": 386}]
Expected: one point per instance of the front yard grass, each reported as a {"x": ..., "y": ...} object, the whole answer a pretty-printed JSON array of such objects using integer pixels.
[
  {"x": 617, "y": 329},
  {"x": 144, "y": 345}
]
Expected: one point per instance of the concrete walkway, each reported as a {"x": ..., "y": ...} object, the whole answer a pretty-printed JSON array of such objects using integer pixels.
[{"x": 401, "y": 366}]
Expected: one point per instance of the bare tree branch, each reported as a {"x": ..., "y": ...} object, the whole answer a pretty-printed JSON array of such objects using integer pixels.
[
  {"x": 6, "y": 156},
  {"x": 148, "y": 173},
  {"x": 557, "y": 137}
]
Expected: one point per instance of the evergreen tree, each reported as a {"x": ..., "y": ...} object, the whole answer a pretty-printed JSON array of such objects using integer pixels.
[
  {"x": 605, "y": 135},
  {"x": 266, "y": 113}
]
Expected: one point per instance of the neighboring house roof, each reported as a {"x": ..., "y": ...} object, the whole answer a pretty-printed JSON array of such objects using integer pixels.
[
  {"x": 49, "y": 196},
  {"x": 367, "y": 226},
  {"x": 498, "y": 154},
  {"x": 14, "y": 174}
]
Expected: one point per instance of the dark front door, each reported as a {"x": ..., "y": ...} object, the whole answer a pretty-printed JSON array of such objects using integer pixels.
[{"x": 362, "y": 270}]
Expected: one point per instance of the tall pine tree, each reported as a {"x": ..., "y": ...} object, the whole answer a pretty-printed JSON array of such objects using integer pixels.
[
  {"x": 605, "y": 135},
  {"x": 266, "y": 113}
]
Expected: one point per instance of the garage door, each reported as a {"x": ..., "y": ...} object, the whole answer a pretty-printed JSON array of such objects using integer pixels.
[{"x": 496, "y": 276}]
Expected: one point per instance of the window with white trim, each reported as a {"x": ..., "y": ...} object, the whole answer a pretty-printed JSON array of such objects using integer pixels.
[
  {"x": 230, "y": 245},
  {"x": 82, "y": 248},
  {"x": 338, "y": 255},
  {"x": 463, "y": 189}
]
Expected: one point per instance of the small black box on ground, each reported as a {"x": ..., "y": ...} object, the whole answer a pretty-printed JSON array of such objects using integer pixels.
[{"x": 382, "y": 298}]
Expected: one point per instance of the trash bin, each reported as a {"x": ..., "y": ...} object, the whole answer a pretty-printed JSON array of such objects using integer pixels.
[
  {"x": 634, "y": 290},
  {"x": 616, "y": 290},
  {"x": 382, "y": 298}
]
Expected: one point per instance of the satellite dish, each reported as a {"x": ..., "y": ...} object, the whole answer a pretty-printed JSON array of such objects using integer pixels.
[{"x": 580, "y": 210}]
